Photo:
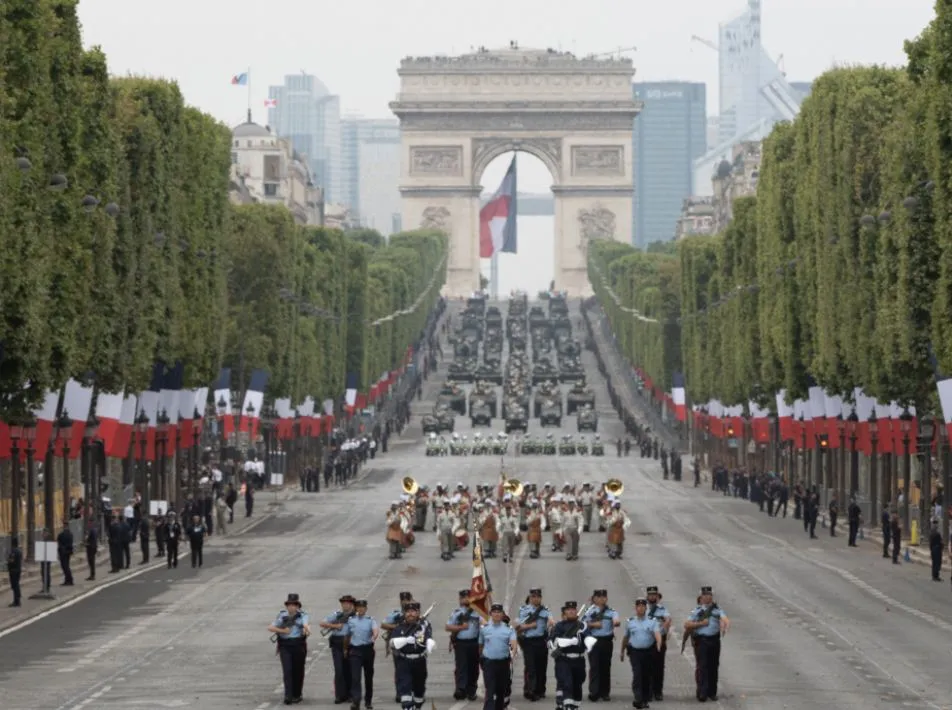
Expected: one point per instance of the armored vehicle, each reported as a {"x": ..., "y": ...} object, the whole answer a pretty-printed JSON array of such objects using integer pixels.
[
  {"x": 440, "y": 420},
  {"x": 431, "y": 424},
  {"x": 558, "y": 306},
  {"x": 550, "y": 414},
  {"x": 515, "y": 401},
  {"x": 480, "y": 413},
  {"x": 488, "y": 374},
  {"x": 516, "y": 420},
  {"x": 587, "y": 419},
  {"x": 547, "y": 391},
  {"x": 462, "y": 370},
  {"x": 571, "y": 370},
  {"x": 477, "y": 304},
  {"x": 579, "y": 396},
  {"x": 465, "y": 348},
  {"x": 543, "y": 371},
  {"x": 452, "y": 397},
  {"x": 493, "y": 317},
  {"x": 484, "y": 392}
]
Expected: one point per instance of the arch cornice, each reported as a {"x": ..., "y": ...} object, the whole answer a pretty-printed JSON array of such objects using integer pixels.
[{"x": 485, "y": 150}]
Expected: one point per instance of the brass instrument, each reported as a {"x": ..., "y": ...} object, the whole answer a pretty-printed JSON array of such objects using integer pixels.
[
  {"x": 410, "y": 487},
  {"x": 614, "y": 487},
  {"x": 514, "y": 487}
]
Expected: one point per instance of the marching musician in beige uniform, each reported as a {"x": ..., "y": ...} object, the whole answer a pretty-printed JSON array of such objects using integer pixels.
[
  {"x": 488, "y": 531},
  {"x": 587, "y": 499},
  {"x": 536, "y": 524},
  {"x": 395, "y": 532},
  {"x": 446, "y": 524},
  {"x": 572, "y": 522},
  {"x": 617, "y": 522},
  {"x": 555, "y": 523},
  {"x": 508, "y": 527}
]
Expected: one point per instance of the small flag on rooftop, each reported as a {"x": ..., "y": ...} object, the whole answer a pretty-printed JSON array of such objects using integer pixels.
[{"x": 240, "y": 79}]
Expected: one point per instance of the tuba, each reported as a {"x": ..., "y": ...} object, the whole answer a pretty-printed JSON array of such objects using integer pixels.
[
  {"x": 410, "y": 487},
  {"x": 513, "y": 487},
  {"x": 614, "y": 487}
]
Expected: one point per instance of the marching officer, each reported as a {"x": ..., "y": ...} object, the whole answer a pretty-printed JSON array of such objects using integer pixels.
[
  {"x": 292, "y": 626},
  {"x": 497, "y": 647},
  {"x": 572, "y": 521},
  {"x": 708, "y": 623},
  {"x": 642, "y": 641},
  {"x": 568, "y": 640},
  {"x": 532, "y": 629},
  {"x": 463, "y": 626},
  {"x": 660, "y": 613},
  {"x": 362, "y": 632},
  {"x": 337, "y": 623},
  {"x": 390, "y": 622},
  {"x": 601, "y": 620},
  {"x": 412, "y": 641}
]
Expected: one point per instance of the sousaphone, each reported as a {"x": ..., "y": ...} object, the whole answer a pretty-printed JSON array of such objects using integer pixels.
[
  {"x": 614, "y": 487},
  {"x": 410, "y": 487}
]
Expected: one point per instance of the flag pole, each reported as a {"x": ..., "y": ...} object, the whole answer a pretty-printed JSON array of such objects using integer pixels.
[{"x": 249, "y": 94}]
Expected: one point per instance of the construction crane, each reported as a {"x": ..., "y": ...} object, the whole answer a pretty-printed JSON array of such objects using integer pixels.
[
  {"x": 619, "y": 51},
  {"x": 705, "y": 42}
]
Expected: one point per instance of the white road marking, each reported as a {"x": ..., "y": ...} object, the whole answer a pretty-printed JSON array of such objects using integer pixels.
[{"x": 65, "y": 670}]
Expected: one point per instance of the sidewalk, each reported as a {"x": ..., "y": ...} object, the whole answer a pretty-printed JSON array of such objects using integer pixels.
[{"x": 30, "y": 581}]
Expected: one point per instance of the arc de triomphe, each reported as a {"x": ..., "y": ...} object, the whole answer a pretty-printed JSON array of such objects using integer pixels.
[{"x": 575, "y": 114}]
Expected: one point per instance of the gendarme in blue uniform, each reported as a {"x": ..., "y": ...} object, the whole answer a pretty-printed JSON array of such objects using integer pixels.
[
  {"x": 640, "y": 632},
  {"x": 495, "y": 640},
  {"x": 713, "y": 627},
  {"x": 659, "y": 613},
  {"x": 361, "y": 630},
  {"x": 603, "y": 628},
  {"x": 465, "y": 615},
  {"x": 541, "y": 625}
]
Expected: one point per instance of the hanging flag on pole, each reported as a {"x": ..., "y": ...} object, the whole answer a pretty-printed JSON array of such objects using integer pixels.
[
  {"x": 480, "y": 589},
  {"x": 497, "y": 218},
  {"x": 240, "y": 79},
  {"x": 270, "y": 103}
]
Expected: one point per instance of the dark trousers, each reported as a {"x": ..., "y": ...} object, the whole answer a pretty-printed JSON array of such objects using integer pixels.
[
  {"x": 15, "y": 585},
  {"x": 813, "y": 517},
  {"x": 897, "y": 543},
  {"x": 535, "y": 655},
  {"x": 854, "y": 531},
  {"x": 657, "y": 668},
  {"x": 411, "y": 682},
  {"x": 569, "y": 681},
  {"x": 91, "y": 561},
  {"x": 197, "y": 555},
  {"x": 159, "y": 546},
  {"x": 467, "y": 667},
  {"x": 600, "y": 668},
  {"x": 833, "y": 517},
  {"x": 361, "y": 667},
  {"x": 497, "y": 677},
  {"x": 641, "y": 670},
  {"x": 293, "y": 653},
  {"x": 67, "y": 571},
  {"x": 172, "y": 554},
  {"x": 709, "y": 661},
  {"x": 936, "y": 562},
  {"x": 126, "y": 555},
  {"x": 782, "y": 503},
  {"x": 886, "y": 539},
  {"x": 144, "y": 546},
  {"x": 341, "y": 670},
  {"x": 46, "y": 574},
  {"x": 115, "y": 556}
]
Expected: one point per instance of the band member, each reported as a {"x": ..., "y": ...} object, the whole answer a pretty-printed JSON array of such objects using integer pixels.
[
  {"x": 536, "y": 524},
  {"x": 463, "y": 626},
  {"x": 392, "y": 620},
  {"x": 336, "y": 624},
  {"x": 362, "y": 632},
  {"x": 572, "y": 522},
  {"x": 660, "y": 613},
  {"x": 394, "y": 531},
  {"x": 601, "y": 620},
  {"x": 497, "y": 647},
  {"x": 411, "y": 641},
  {"x": 446, "y": 523},
  {"x": 642, "y": 641},
  {"x": 292, "y": 626},
  {"x": 707, "y": 623},
  {"x": 556, "y": 515},
  {"x": 173, "y": 533},
  {"x": 488, "y": 531},
  {"x": 508, "y": 526},
  {"x": 616, "y": 522},
  {"x": 569, "y": 639},
  {"x": 532, "y": 629}
]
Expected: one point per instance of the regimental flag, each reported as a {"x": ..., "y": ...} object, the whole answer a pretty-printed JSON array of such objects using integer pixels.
[
  {"x": 480, "y": 589},
  {"x": 497, "y": 218},
  {"x": 679, "y": 396},
  {"x": 270, "y": 103},
  {"x": 240, "y": 79},
  {"x": 254, "y": 401}
]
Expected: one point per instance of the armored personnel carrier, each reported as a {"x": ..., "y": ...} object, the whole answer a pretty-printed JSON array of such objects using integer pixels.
[
  {"x": 484, "y": 392},
  {"x": 463, "y": 370},
  {"x": 480, "y": 414},
  {"x": 544, "y": 371},
  {"x": 550, "y": 414},
  {"x": 516, "y": 420},
  {"x": 571, "y": 370},
  {"x": 586, "y": 419},
  {"x": 452, "y": 397},
  {"x": 547, "y": 391},
  {"x": 488, "y": 374},
  {"x": 440, "y": 420},
  {"x": 579, "y": 396}
]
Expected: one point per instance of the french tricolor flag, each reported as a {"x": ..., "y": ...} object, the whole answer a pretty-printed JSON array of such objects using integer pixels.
[
  {"x": 254, "y": 401},
  {"x": 169, "y": 401},
  {"x": 108, "y": 412},
  {"x": 785, "y": 416},
  {"x": 118, "y": 445},
  {"x": 282, "y": 408},
  {"x": 45, "y": 416},
  {"x": 77, "y": 401},
  {"x": 679, "y": 396},
  {"x": 497, "y": 218},
  {"x": 759, "y": 422}
]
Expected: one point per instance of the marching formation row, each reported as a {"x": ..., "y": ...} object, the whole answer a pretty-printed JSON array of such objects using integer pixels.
[{"x": 498, "y": 445}]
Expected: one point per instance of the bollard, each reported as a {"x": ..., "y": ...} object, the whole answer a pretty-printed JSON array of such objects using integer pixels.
[
  {"x": 906, "y": 557},
  {"x": 862, "y": 536}
]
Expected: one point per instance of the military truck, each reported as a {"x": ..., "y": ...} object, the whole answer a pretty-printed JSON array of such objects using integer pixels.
[
  {"x": 543, "y": 371},
  {"x": 586, "y": 419},
  {"x": 570, "y": 370},
  {"x": 579, "y": 396},
  {"x": 480, "y": 413},
  {"x": 550, "y": 414},
  {"x": 517, "y": 420},
  {"x": 452, "y": 397}
]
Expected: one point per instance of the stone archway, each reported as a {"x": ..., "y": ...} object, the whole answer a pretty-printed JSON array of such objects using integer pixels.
[{"x": 575, "y": 114}]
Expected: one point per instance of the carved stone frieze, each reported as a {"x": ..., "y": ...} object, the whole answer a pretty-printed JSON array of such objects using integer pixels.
[
  {"x": 598, "y": 160},
  {"x": 597, "y": 222},
  {"x": 434, "y": 123},
  {"x": 548, "y": 150},
  {"x": 444, "y": 161},
  {"x": 436, "y": 217}
]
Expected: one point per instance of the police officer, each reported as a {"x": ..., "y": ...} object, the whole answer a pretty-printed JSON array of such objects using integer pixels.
[
  {"x": 64, "y": 548},
  {"x": 362, "y": 632},
  {"x": 602, "y": 621},
  {"x": 463, "y": 626},
  {"x": 497, "y": 647},
  {"x": 660, "y": 613},
  {"x": 707, "y": 623},
  {"x": 642, "y": 642},
  {"x": 853, "y": 515},
  {"x": 292, "y": 627},
  {"x": 336, "y": 622},
  {"x": 568, "y": 641},
  {"x": 532, "y": 628},
  {"x": 412, "y": 641},
  {"x": 15, "y": 568},
  {"x": 390, "y": 622},
  {"x": 173, "y": 533},
  {"x": 92, "y": 547}
]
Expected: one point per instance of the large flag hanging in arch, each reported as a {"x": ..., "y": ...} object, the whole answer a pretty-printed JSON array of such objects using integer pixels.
[{"x": 497, "y": 218}]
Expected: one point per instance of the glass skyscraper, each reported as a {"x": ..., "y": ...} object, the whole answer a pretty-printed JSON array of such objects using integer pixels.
[
  {"x": 371, "y": 156},
  {"x": 670, "y": 134}
]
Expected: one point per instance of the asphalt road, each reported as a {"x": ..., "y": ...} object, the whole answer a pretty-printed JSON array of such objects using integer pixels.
[{"x": 814, "y": 623}]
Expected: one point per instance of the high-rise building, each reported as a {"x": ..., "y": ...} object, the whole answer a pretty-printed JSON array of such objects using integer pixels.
[
  {"x": 370, "y": 149},
  {"x": 670, "y": 134},
  {"x": 308, "y": 115}
]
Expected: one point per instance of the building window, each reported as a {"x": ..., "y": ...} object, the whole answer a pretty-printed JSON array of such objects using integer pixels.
[
  {"x": 270, "y": 189},
  {"x": 234, "y": 158}
]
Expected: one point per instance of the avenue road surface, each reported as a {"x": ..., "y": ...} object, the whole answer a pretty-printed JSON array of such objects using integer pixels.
[{"x": 814, "y": 623}]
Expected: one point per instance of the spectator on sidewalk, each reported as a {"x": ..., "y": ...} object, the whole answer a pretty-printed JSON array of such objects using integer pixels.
[
  {"x": 196, "y": 538},
  {"x": 46, "y": 566},
  {"x": 895, "y": 532},
  {"x": 220, "y": 508},
  {"x": 935, "y": 547},
  {"x": 231, "y": 497},
  {"x": 15, "y": 568},
  {"x": 145, "y": 532},
  {"x": 92, "y": 547},
  {"x": 854, "y": 514},
  {"x": 884, "y": 521},
  {"x": 64, "y": 549},
  {"x": 249, "y": 499}
]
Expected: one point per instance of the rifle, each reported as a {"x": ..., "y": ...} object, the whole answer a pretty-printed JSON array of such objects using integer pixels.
[
  {"x": 466, "y": 618},
  {"x": 532, "y": 618},
  {"x": 341, "y": 618},
  {"x": 705, "y": 616},
  {"x": 399, "y": 620}
]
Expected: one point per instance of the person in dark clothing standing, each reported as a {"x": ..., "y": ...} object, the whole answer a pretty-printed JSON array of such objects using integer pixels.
[
  {"x": 64, "y": 549},
  {"x": 14, "y": 569},
  {"x": 884, "y": 522},
  {"x": 173, "y": 533},
  {"x": 935, "y": 548},
  {"x": 249, "y": 499},
  {"x": 834, "y": 510},
  {"x": 231, "y": 497},
  {"x": 811, "y": 512},
  {"x": 160, "y": 532},
  {"x": 196, "y": 540},
  {"x": 895, "y": 532},
  {"x": 853, "y": 514},
  {"x": 126, "y": 533},
  {"x": 145, "y": 526},
  {"x": 92, "y": 547},
  {"x": 115, "y": 545}
]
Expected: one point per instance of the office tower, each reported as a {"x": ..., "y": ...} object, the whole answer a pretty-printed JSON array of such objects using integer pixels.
[
  {"x": 670, "y": 134},
  {"x": 371, "y": 159}
]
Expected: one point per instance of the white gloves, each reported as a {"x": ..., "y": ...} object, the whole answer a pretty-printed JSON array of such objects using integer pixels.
[
  {"x": 562, "y": 643},
  {"x": 400, "y": 642},
  {"x": 589, "y": 643},
  {"x": 430, "y": 646}
]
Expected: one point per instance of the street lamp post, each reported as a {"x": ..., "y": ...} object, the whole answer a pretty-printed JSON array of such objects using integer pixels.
[
  {"x": 852, "y": 423},
  {"x": 193, "y": 467},
  {"x": 268, "y": 418},
  {"x": 28, "y": 434},
  {"x": 176, "y": 483},
  {"x": 65, "y": 434},
  {"x": 875, "y": 490},
  {"x": 145, "y": 478},
  {"x": 805, "y": 472},
  {"x": 926, "y": 436},
  {"x": 839, "y": 484},
  {"x": 16, "y": 434},
  {"x": 162, "y": 439},
  {"x": 905, "y": 423},
  {"x": 91, "y": 477}
]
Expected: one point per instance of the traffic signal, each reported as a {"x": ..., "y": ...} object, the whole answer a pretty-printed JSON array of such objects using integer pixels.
[
  {"x": 824, "y": 442},
  {"x": 730, "y": 432}
]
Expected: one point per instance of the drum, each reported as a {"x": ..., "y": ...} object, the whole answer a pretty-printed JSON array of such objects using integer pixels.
[
  {"x": 462, "y": 539},
  {"x": 410, "y": 539}
]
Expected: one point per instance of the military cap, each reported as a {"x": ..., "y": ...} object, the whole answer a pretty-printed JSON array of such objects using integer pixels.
[
  {"x": 600, "y": 593},
  {"x": 535, "y": 592},
  {"x": 641, "y": 600},
  {"x": 496, "y": 607},
  {"x": 651, "y": 590},
  {"x": 413, "y": 606},
  {"x": 570, "y": 605},
  {"x": 707, "y": 590},
  {"x": 361, "y": 602},
  {"x": 293, "y": 599},
  {"x": 347, "y": 598},
  {"x": 406, "y": 596}
]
